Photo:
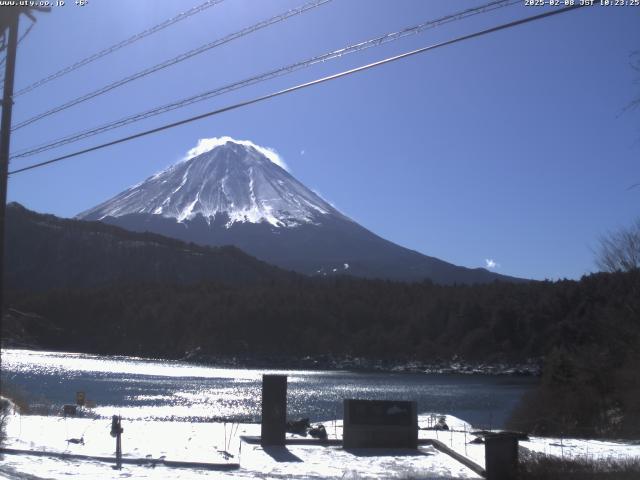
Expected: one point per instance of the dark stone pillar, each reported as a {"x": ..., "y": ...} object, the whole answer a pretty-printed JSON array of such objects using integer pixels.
[
  {"x": 380, "y": 424},
  {"x": 501, "y": 456},
  {"x": 274, "y": 410}
]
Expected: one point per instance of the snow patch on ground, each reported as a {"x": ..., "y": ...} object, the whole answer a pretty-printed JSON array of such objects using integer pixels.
[
  {"x": 221, "y": 443},
  {"x": 582, "y": 448},
  {"x": 206, "y": 442}
]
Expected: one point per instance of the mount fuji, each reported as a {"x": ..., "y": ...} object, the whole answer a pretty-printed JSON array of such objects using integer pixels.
[{"x": 231, "y": 192}]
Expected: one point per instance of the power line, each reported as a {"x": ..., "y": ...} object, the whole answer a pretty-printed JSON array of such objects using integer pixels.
[
  {"x": 380, "y": 40},
  {"x": 345, "y": 73},
  {"x": 119, "y": 45},
  {"x": 167, "y": 63}
]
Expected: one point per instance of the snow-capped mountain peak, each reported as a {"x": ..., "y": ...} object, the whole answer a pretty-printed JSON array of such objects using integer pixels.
[
  {"x": 221, "y": 176},
  {"x": 247, "y": 199}
]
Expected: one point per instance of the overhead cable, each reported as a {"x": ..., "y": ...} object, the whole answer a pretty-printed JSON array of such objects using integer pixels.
[
  {"x": 345, "y": 73},
  {"x": 380, "y": 40},
  {"x": 167, "y": 63},
  {"x": 118, "y": 46}
]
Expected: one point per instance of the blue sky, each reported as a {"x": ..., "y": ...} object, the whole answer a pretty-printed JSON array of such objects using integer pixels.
[{"x": 513, "y": 147}]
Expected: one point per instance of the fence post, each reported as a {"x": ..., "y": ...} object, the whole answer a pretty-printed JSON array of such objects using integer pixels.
[{"x": 116, "y": 431}]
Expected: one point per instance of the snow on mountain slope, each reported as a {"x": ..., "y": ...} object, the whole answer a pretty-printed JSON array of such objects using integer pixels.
[
  {"x": 222, "y": 175},
  {"x": 230, "y": 192}
]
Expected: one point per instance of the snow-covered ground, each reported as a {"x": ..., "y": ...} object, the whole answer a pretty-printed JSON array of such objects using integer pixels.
[
  {"x": 206, "y": 442},
  {"x": 585, "y": 449},
  {"x": 219, "y": 443}
]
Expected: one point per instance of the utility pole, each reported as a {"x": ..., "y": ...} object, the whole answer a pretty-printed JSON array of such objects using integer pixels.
[{"x": 9, "y": 20}]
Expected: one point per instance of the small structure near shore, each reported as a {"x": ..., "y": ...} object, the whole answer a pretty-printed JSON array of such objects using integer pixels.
[{"x": 380, "y": 424}]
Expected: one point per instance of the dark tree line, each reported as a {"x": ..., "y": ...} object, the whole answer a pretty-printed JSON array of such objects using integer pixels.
[
  {"x": 588, "y": 331},
  {"x": 343, "y": 316}
]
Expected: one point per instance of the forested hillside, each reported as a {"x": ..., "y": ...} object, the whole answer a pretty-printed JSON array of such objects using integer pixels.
[
  {"x": 303, "y": 316},
  {"x": 44, "y": 252},
  {"x": 142, "y": 294}
]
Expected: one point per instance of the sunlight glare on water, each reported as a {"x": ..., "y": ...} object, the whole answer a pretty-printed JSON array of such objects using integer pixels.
[
  {"x": 139, "y": 388},
  {"x": 65, "y": 363}
]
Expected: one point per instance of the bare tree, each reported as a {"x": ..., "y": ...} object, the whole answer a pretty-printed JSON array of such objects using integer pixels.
[
  {"x": 619, "y": 251},
  {"x": 635, "y": 64},
  {"x": 635, "y": 103}
]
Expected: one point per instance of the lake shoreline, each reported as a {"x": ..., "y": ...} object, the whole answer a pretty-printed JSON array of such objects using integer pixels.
[{"x": 455, "y": 366}]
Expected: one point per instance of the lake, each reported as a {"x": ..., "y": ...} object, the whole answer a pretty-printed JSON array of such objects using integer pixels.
[{"x": 139, "y": 388}]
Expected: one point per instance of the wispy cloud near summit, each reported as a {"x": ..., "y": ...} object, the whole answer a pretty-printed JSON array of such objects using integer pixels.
[{"x": 207, "y": 144}]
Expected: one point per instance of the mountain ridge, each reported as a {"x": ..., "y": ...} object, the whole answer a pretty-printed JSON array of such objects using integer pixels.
[
  {"x": 235, "y": 194},
  {"x": 44, "y": 251}
]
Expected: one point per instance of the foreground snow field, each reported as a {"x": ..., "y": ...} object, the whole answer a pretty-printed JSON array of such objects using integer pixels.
[
  {"x": 206, "y": 442},
  {"x": 220, "y": 444}
]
